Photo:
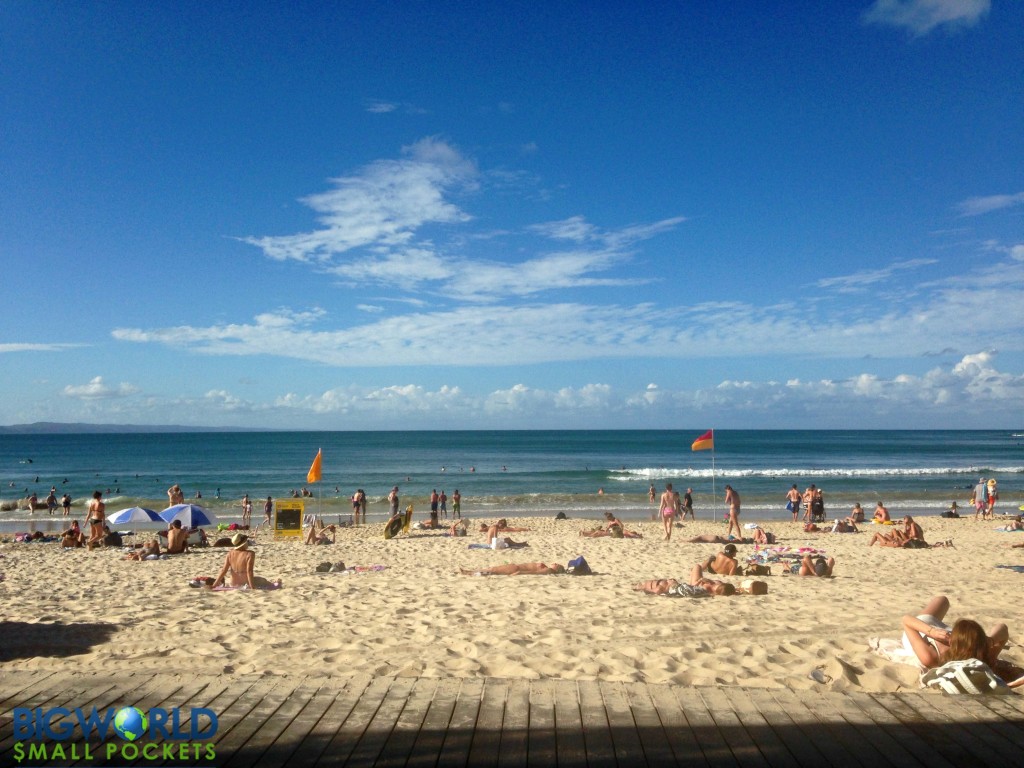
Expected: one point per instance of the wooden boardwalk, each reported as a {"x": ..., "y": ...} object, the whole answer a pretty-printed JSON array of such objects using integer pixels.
[{"x": 399, "y": 721}]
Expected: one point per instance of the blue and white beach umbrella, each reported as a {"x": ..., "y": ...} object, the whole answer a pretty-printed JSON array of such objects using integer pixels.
[
  {"x": 191, "y": 515},
  {"x": 134, "y": 515}
]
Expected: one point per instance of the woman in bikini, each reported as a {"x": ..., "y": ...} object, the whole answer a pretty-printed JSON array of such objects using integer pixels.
[
  {"x": 238, "y": 567},
  {"x": 934, "y": 642},
  {"x": 97, "y": 514}
]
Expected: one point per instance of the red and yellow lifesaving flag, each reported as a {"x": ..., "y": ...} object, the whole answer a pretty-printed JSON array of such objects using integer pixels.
[
  {"x": 313, "y": 476},
  {"x": 705, "y": 442}
]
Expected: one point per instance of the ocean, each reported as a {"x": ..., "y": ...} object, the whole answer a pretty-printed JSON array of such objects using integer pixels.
[{"x": 511, "y": 473}]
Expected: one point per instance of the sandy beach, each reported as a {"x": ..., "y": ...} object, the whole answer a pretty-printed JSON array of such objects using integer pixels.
[{"x": 418, "y": 616}]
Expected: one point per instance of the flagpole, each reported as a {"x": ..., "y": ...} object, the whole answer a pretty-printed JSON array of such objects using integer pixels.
[{"x": 714, "y": 492}]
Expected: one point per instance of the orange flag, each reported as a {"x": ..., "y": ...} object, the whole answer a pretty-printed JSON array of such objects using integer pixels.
[
  {"x": 705, "y": 442},
  {"x": 313, "y": 476}
]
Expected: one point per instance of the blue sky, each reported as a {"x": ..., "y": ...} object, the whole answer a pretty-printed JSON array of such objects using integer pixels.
[{"x": 436, "y": 215}]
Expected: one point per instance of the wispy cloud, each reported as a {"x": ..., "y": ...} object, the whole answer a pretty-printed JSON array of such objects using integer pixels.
[
  {"x": 34, "y": 347},
  {"x": 96, "y": 389},
  {"x": 936, "y": 315},
  {"x": 864, "y": 279},
  {"x": 975, "y": 206},
  {"x": 923, "y": 16},
  {"x": 373, "y": 234},
  {"x": 383, "y": 205}
]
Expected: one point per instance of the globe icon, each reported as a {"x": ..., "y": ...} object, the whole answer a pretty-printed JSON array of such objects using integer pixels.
[{"x": 130, "y": 723}]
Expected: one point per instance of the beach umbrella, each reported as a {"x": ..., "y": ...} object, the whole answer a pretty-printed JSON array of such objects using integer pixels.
[
  {"x": 191, "y": 515},
  {"x": 134, "y": 515}
]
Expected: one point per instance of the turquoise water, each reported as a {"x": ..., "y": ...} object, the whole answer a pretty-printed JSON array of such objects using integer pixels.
[{"x": 514, "y": 473}]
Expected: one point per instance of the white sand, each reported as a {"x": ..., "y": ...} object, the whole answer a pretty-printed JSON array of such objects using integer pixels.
[{"x": 420, "y": 617}]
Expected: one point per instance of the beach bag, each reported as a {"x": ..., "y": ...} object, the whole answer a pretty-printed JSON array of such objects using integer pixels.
[
  {"x": 970, "y": 676},
  {"x": 578, "y": 567},
  {"x": 757, "y": 569},
  {"x": 561, "y": 516}
]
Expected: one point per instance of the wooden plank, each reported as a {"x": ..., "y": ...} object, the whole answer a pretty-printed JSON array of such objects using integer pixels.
[
  {"x": 570, "y": 747},
  {"x": 966, "y": 734},
  {"x": 542, "y": 746},
  {"x": 771, "y": 747},
  {"x": 681, "y": 737},
  {"x": 875, "y": 738},
  {"x": 515, "y": 728},
  {"x": 911, "y": 732},
  {"x": 376, "y": 722},
  {"x": 596, "y": 733},
  {"x": 486, "y": 744},
  {"x": 430, "y": 740},
  {"x": 713, "y": 742},
  {"x": 625, "y": 736},
  {"x": 826, "y": 737},
  {"x": 399, "y": 744},
  {"x": 743, "y": 746},
  {"x": 653, "y": 739},
  {"x": 459, "y": 738},
  {"x": 784, "y": 728},
  {"x": 290, "y": 702},
  {"x": 344, "y": 698},
  {"x": 257, "y": 701}
]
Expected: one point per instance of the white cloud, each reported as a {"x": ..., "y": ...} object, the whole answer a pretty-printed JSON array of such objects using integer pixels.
[
  {"x": 34, "y": 347},
  {"x": 383, "y": 205},
  {"x": 864, "y": 279},
  {"x": 922, "y": 16},
  {"x": 975, "y": 206},
  {"x": 97, "y": 390}
]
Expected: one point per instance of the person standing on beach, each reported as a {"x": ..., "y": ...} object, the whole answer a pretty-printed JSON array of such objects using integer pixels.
[
  {"x": 268, "y": 509},
  {"x": 457, "y": 504},
  {"x": 97, "y": 514},
  {"x": 246, "y": 511},
  {"x": 394, "y": 500},
  {"x": 808, "y": 499},
  {"x": 668, "y": 510},
  {"x": 732, "y": 501},
  {"x": 434, "y": 498},
  {"x": 980, "y": 493},
  {"x": 65, "y": 501},
  {"x": 993, "y": 497},
  {"x": 793, "y": 501},
  {"x": 651, "y": 493},
  {"x": 175, "y": 495},
  {"x": 362, "y": 504},
  {"x": 688, "y": 504},
  {"x": 443, "y": 498}
]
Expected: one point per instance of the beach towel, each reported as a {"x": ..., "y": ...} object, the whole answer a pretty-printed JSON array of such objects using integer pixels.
[
  {"x": 893, "y": 650},
  {"x": 970, "y": 676},
  {"x": 687, "y": 590}
]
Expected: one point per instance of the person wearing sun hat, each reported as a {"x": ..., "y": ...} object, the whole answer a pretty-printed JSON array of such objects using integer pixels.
[{"x": 238, "y": 567}]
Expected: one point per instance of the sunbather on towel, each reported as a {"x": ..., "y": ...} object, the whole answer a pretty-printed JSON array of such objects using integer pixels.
[
  {"x": 516, "y": 569},
  {"x": 669, "y": 586},
  {"x": 238, "y": 567},
  {"x": 714, "y": 538},
  {"x": 497, "y": 541},
  {"x": 724, "y": 563},
  {"x": 814, "y": 565},
  {"x": 150, "y": 550}
]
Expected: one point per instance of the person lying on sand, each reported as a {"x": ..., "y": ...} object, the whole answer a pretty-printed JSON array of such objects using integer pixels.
[
  {"x": 150, "y": 550},
  {"x": 724, "y": 563},
  {"x": 844, "y": 526},
  {"x": 516, "y": 569},
  {"x": 504, "y": 526},
  {"x": 238, "y": 567},
  {"x": 321, "y": 534},
  {"x": 714, "y": 538},
  {"x": 814, "y": 565},
  {"x": 934, "y": 642},
  {"x": 1014, "y": 525},
  {"x": 496, "y": 541},
  {"x": 613, "y": 527},
  {"x": 698, "y": 586}
]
